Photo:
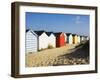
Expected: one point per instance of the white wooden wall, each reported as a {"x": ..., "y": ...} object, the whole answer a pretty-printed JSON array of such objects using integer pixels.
[
  {"x": 52, "y": 40},
  {"x": 43, "y": 41},
  {"x": 31, "y": 42},
  {"x": 70, "y": 39}
]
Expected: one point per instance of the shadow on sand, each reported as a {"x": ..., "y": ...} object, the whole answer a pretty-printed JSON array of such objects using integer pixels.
[
  {"x": 81, "y": 51},
  {"x": 78, "y": 55}
]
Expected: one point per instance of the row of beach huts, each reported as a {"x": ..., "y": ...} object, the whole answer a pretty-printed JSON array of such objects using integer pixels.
[{"x": 37, "y": 40}]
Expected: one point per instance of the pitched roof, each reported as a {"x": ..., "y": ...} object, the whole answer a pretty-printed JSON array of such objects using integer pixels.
[
  {"x": 58, "y": 33},
  {"x": 49, "y": 33},
  {"x": 39, "y": 32},
  {"x": 74, "y": 34},
  {"x": 81, "y": 35},
  {"x": 68, "y": 34},
  {"x": 85, "y": 36},
  {"x": 27, "y": 30}
]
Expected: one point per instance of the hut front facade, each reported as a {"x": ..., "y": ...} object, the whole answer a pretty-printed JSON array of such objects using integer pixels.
[
  {"x": 31, "y": 41},
  {"x": 86, "y": 38},
  {"x": 51, "y": 39},
  {"x": 42, "y": 39},
  {"x": 69, "y": 38},
  {"x": 83, "y": 38},
  {"x": 60, "y": 39},
  {"x": 75, "y": 39}
]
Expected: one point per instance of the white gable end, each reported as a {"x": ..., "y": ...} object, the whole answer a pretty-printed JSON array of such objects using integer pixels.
[
  {"x": 70, "y": 39},
  {"x": 31, "y": 42},
  {"x": 43, "y": 41},
  {"x": 52, "y": 40}
]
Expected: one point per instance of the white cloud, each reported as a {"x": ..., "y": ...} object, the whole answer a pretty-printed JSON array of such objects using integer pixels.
[{"x": 78, "y": 20}]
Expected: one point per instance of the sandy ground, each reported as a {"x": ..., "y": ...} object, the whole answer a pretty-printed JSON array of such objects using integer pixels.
[{"x": 54, "y": 57}]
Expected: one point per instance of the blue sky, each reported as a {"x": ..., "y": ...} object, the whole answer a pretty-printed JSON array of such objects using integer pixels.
[{"x": 69, "y": 23}]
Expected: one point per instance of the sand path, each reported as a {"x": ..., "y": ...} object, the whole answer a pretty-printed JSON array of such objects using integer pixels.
[{"x": 47, "y": 57}]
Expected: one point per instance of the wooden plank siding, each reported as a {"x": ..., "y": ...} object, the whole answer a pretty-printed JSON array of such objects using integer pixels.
[
  {"x": 43, "y": 41},
  {"x": 52, "y": 40},
  {"x": 31, "y": 42}
]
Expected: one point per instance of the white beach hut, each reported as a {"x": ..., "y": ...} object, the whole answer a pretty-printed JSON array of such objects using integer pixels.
[
  {"x": 86, "y": 38},
  {"x": 42, "y": 39},
  {"x": 69, "y": 38},
  {"x": 31, "y": 41},
  {"x": 51, "y": 39},
  {"x": 81, "y": 38}
]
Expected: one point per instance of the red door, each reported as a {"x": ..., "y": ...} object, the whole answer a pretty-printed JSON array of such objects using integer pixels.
[{"x": 62, "y": 40}]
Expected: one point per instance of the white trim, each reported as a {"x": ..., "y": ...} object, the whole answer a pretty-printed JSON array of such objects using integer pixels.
[{"x": 36, "y": 70}]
